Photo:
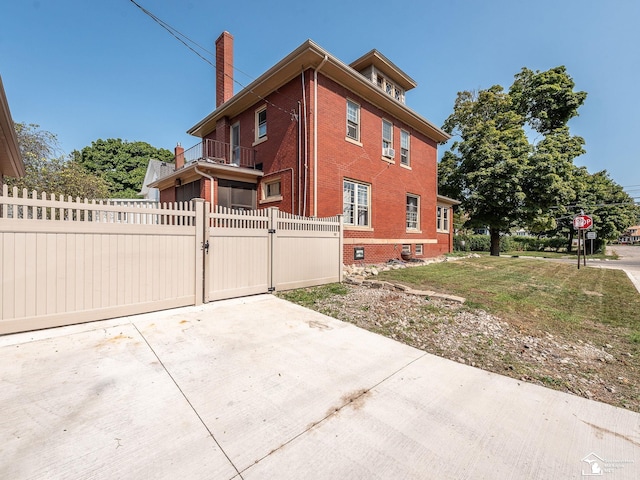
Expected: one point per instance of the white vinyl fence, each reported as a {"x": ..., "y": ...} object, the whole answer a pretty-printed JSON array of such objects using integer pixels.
[{"x": 65, "y": 261}]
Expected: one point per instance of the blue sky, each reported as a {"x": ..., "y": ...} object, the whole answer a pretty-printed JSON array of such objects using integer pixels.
[{"x": 86, "y": 69}]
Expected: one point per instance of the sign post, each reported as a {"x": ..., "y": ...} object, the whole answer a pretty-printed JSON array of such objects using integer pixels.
[
  {"x": 582, "y": 223},
  {"x": 591, "y": 236}
]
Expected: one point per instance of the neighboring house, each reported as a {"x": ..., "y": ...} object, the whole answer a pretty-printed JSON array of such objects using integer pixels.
[
  {"x": 314, "y": 136},
  {"x": 11, "y": 163},
  {"x": 521, "y": 232},
  {"x": 631, "y": 235},
  {"x": 155, "y": 170}
]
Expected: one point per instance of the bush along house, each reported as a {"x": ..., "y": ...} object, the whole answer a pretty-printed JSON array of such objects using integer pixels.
[{"x": 314, "y": 136}]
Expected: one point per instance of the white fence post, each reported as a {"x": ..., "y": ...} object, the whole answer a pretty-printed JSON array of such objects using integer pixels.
[
  {"x": 274, "y": 214},
  {"x": 341, "y": 234},
  {"x": 200, "y": 221}
]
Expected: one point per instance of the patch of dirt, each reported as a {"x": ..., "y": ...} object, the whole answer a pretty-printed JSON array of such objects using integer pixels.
[{"x": 606, "y": 372}]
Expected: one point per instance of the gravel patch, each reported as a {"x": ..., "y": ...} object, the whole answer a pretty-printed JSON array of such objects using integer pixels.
[{"x": 451, "y": 330}]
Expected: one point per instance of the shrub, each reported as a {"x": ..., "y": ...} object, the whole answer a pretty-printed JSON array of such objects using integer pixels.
[{"x": 482, "y": 243}]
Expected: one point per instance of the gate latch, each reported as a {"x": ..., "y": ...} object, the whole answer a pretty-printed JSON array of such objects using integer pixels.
[{"x": 205, "y": 246}]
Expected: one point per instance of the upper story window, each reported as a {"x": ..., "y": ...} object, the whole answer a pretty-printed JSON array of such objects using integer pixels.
[
  {"x": 442, "y": 219},
  {"x": 387, "y": 139},
  {"x": 261, "y": 123},
  {"x": 388, "y": 86},
  {"x": 355, "y": 200},
  {"x": 353, "y": 120},
  {"x": 404, "y": 148}
]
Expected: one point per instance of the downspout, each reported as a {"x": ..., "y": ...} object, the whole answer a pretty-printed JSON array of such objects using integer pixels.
[
  {"x": 299, "y": 153},
  {"x": 315, "y": 135},
  {"x": 210, "y": 183},
  {"x": 306, "y": 151}
]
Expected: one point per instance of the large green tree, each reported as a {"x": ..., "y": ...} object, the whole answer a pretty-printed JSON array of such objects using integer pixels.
[
  {"x": 121, "y": 163},
  {"x": 47, "y": 171},
  {"x": 597, "y": 195},
  {"x": 487, "y": 166},
  {"x": 546, "y": 100},
  {"x": 501, "y": 178}
]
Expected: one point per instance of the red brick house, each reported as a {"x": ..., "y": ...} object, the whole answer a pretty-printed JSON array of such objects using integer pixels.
[{"x": 314, "y": 136}]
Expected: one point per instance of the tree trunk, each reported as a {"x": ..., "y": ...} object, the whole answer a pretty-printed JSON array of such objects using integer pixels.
[
  {"x": 570, "y": 246},
  {"x": 495, "y": 242}
]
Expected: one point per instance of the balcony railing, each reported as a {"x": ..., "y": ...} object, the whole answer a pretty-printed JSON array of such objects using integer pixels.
[{"x": 222, "y": 153}]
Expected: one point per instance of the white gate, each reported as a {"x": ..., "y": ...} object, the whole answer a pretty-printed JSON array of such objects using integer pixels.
[
  {"x": 260, "y": 251},
  {"x": 239, "y": 245}
]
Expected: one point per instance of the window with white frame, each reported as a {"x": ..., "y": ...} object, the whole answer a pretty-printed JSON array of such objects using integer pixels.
[
  {"x": 406, "y": 248},
  {"x": 353, "y": 120},
  {"x": 404, "y": 148},
  {"x": 419, "y": 249},
  {"x": 387, "y": 138},
  {"x": 413, "y": 209},
  {"x": 271, "y": 190},
  {"x": 389, "y": 87},
  {"x": 442, "y": 218},
  {"x": 355, "y": 200},
  {"x": 261, "y": 123}
]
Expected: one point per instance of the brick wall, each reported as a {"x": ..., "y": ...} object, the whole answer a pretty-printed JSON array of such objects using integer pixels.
[{"x": 339, "y": 159}]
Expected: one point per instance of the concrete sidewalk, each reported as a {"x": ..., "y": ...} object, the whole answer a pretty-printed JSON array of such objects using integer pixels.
[{"x": 259, "y": 388}]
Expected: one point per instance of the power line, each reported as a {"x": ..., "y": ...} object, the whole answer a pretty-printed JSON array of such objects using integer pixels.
[{"x": 184, "y": 39}]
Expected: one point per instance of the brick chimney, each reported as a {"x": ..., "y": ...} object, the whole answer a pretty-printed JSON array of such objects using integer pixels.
[
  {"x": 179, "y": 156},
  {"x": 224, "y": 68}
]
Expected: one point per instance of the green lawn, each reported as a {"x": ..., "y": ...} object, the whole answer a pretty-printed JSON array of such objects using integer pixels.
[{"x": 547, "y": 295}]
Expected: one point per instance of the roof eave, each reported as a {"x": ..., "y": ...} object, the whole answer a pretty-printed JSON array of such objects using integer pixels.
[
  {"x": 11, "y": 163},
  {"x": 310, "y": 55},
  {"x": 450, "y": 201},
  {"x": 219, "y": 170},
  {"x": 382, "y": 63}
]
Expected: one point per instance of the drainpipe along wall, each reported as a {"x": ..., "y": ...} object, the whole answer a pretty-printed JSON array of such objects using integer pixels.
[
  {"x": 210, "y": 184},
  {"x": 305, "y": 147},
  {"x": 300, "y": 150},
  {"x": 315, "y": 135}
]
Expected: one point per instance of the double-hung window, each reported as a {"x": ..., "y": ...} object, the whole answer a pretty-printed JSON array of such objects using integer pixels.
[
  {"x": 387, "y": 137},
  {"x": 261, "y": 123},
  {"x": 404, "y": 148},
  {"x": 355, "y": 203},
  {"x": 442, "y": 219},
  {"x": 353, "y": 120},
  {"x": 413, "y": 212}
]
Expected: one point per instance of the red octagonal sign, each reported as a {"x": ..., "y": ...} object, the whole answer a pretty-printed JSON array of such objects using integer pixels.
[{"x": 582, "y": 222}]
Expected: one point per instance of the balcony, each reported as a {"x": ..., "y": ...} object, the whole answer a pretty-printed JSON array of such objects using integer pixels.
[{"x": 221, "y": 153}]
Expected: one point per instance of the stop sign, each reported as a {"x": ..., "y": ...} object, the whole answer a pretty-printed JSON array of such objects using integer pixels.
[{"x": 582, "y": 222}]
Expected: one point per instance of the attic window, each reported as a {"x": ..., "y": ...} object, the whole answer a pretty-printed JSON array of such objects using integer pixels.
[{"x": 388, "y": 86}]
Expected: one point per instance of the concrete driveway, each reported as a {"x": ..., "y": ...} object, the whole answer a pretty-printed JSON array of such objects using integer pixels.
[{"x": 259, "y": 388}]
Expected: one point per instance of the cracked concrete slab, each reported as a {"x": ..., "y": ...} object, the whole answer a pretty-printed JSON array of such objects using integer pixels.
[{"x": 260, "y": 388}]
